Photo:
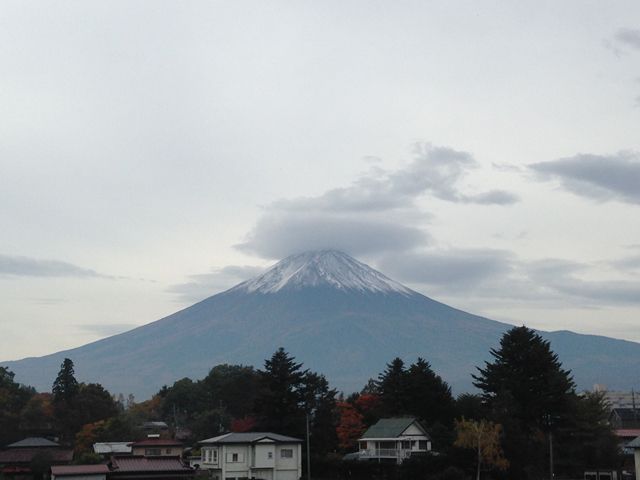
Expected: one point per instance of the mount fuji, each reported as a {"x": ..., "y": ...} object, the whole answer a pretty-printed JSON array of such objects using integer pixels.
[{"x": 335, "y": 314}]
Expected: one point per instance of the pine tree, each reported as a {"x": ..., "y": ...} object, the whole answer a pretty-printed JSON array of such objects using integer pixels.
[
  {"x": 528, "y": 376},
  {"x": 278, "y": 404},
  {"x": 529, "y": 393},
  {"x": 428, "y": 396},
  {"x": 392, "y": 385},
  {"x": 65, "y": 386}
]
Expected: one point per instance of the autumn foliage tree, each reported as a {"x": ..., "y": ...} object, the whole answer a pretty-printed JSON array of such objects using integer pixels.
[
  {"x": 350, "y": 426},
  {"x": 484, "y": 437}
]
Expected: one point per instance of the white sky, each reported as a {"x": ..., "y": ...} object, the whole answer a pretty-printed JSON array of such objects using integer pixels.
[{"x": 153, "y": 153}]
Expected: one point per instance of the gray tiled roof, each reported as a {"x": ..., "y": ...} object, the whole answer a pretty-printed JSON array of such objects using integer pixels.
[
  {"x": 33, "y": 442},
  {"x": 249, "y": 437}
]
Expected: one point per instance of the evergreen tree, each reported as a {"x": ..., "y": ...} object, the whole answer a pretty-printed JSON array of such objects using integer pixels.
[
  {"x": 65, "y": 390},
  {"x": 65, "y": 386},
  {"x": 428, "y": 396},
  {"x": 524, "y": 388},
  {"x": 233, "y": 387},
  {"x": 278, "y": 404},
  {"x": 392, "y": 386},
  {"x": 319, "y": 402}
]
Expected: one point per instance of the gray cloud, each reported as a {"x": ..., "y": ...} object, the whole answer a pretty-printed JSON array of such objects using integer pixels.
[
  {"x": 435, "y": 171},
  {"x": 562, "y": 277},
  {"x": 280, "y": 234},
  {"x": 501, "y": 276},
  {"x": 377, "y": 213},
  {"x": 203, "y": 285},
  {"x": 449, "y": 268},
  {"x": 629, "y": 37},
  {"x": 598, "y": 177},
  {"x": 628, "y": 263},
  {"x": 33, "y": 267}
]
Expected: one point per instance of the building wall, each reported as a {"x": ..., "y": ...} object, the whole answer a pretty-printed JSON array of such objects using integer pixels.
[
  {"x": 413, "y": 430},
  {"x": 163, "y": 451},
  {"x": 235, "y": 460},
  {"x": 264, "y": 455},
  {"x": 287, "y": 466},
  {"x": 254, "y": 461}
]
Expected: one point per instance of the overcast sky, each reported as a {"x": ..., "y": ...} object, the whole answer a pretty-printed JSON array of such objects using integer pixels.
[{"x": 153, "y": 153}]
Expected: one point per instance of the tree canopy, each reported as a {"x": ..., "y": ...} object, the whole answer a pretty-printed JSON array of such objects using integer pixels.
[{"x": 526, "y": 390}]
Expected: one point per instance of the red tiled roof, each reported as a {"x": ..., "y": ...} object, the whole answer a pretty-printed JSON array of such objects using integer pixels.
[
  {"x": 79, "y": 469},
  {"x": 157, "y": 442},
  {"x": 627, "y": 432},
  {"x": 148, "y": 464},
  {"x": 14, "y": 470},
  {"x": 25, "y": 455}
]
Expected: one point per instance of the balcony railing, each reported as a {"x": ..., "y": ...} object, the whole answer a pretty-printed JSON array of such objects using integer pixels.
[{"x": 386, "y": 453}]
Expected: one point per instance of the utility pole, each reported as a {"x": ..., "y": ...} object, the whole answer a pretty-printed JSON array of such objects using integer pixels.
[
  {"x": 550, "y": 426},
  {"x": 550, "y": 455},
  {"x": 308, "y": 448}
]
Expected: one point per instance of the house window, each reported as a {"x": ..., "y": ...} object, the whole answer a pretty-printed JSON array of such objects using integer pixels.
[
  {"x": 214, "y": 456},
  {"x": 286, "y": 453},
  {"x": 151, "y": 452},
  {"x": 168, "y": 451},
  {"x": 406, "y": 444},
  {"x": 234, "y": 457},
  {"x": 269, "y": 455},
  {"x": 422, "y": 445}
]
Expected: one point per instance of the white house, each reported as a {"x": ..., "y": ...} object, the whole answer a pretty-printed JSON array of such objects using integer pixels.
[
  {"x": 259, "y": 455},
  {"x": 394, "y": 439}
]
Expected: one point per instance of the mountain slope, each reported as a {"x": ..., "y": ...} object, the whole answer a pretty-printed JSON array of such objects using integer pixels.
[{"x": 335, "y": 314}]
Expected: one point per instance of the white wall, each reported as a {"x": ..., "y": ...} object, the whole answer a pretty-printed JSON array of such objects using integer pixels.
[
  {"x": 285, "y": 463},
  {"x": 264, "y": 455},
  {"x": 412, "y": 430},
  {"x": 241, "y": 466}
]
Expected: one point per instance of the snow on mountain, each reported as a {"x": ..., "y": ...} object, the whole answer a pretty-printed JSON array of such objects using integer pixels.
[{"x": 322, "y": 268}]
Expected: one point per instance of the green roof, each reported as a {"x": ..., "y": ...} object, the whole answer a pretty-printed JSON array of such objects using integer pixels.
[{"x": 390, "y": 427}]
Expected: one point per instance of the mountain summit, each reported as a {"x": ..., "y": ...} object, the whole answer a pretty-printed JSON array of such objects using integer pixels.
[
  {"x": 324, "y": 268},
  {"x": 337, "y": 315}
]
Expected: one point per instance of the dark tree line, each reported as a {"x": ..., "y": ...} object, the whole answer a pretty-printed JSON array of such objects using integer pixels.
[{"x": 526, "y": 397}]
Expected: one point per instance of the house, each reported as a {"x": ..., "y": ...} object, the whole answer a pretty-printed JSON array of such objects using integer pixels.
[
  {"x": 394, "y": 440},
  {"x": 79, "y": 472},
  {"x": 259, "y": 455},
  {"x": 157, "y": 447},
  {"x": 625, "y": 418},
  {"x": 149, "y": 468},
  {"x": 16, "y": 459}
]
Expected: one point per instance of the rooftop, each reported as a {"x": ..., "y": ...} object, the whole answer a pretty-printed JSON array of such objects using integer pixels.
[
  {"x": 25, "y": 455},
  {"x": 250, "y": 437},
  {"x": 148, "y": 464},
  {"x": 157, "y": 442},
  {"x": 33, "y": 442},
  {"x": 391, "y": 427},
  {"x": 79, "y": 469}
]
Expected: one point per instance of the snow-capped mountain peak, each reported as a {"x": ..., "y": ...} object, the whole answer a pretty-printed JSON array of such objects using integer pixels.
[{"x": 322, "y": 268}]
